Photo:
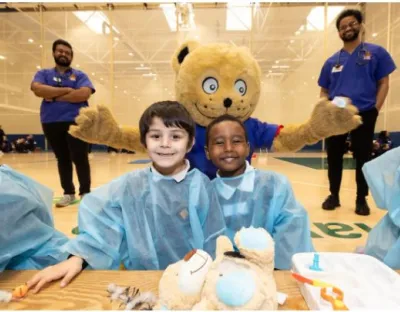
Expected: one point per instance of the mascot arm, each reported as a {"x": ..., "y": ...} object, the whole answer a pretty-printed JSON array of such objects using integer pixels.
[
  {"x": 263, "y": 133},
  {"x": 327, "y": 119},
  {"x": 97, "y": 125}
]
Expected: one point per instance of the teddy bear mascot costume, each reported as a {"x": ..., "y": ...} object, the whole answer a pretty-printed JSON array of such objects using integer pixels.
[{"x": 217, "y": 79}]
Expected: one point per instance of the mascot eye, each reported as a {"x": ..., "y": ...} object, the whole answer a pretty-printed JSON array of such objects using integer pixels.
[
  {"x": 210, "y": 85},
  {"x": 240, "y": 86}
]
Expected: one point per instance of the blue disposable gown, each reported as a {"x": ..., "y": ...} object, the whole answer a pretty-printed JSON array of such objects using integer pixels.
[
  {"x": 147, "y": 221},
  {"x": 265, "y": 199},
  {"x": 383, "y": 177},
  {"x": 28, "y": 240}
]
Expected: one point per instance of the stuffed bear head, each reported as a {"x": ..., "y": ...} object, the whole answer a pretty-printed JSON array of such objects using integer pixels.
[
  {"x": 242, "y": 279},
  {"x": 216, "y": 79},
  {"x": 181, "y": 283}
]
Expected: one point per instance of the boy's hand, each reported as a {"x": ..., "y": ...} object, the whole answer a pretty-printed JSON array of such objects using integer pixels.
[{"x": 67, "y": 270}]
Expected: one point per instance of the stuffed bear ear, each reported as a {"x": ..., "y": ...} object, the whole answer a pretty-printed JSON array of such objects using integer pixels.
[
  {"x": 256, "y": 245},
  {"x": 182, "y": 52}
]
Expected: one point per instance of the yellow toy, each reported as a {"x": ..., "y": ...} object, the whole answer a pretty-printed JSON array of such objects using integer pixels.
[{"x": 217, "y": 79}]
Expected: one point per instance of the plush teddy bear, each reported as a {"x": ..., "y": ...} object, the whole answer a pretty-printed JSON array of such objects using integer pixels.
[
  {"x": 242, "y": 279},
  {"x": 236, "y": 280},
  {"x": 217, "y": 79},
  {"x": 182, "y": 282}
]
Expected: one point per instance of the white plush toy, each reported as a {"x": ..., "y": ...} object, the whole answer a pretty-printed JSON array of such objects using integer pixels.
[{"x": 236, "y": 280}]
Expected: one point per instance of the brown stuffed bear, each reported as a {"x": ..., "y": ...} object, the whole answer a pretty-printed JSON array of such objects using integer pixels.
[{"x": 217, "y": 79}]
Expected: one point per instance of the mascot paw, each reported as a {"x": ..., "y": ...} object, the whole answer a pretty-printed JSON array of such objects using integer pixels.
[
  {"x": 92, "y": 123},
  {"x": 329, "y": 119}
]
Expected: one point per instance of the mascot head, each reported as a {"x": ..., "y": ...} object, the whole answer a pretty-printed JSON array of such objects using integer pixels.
[{"x": 216, "y": 79}]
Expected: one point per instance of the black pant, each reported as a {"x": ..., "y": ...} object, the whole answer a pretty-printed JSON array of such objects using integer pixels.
[
  {"x": 361, "y": 142},
  {"x": 67, "y": 150}
]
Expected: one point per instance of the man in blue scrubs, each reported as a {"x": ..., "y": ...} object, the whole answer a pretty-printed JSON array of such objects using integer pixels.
[
  {"x": 359, "y": 71},
  {"x": 64, "y": 91}
]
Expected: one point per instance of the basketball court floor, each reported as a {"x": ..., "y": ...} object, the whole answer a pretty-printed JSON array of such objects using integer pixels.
[{"x": 338, "y": 230}]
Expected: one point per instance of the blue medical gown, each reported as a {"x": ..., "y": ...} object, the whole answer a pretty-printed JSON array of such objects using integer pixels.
[
  {"x": 383, "y": 177},
  {"x": 28, "y": 240},
  {"x": 265, "y": 199},
  {"x": 147, "y": 221}
]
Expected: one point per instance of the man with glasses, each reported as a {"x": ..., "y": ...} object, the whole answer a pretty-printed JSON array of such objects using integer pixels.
[
  {"x": 359, "y": 71},
  {"x": 64, "y": 91}
]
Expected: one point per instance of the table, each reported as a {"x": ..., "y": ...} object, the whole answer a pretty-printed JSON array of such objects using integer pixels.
[{"x": 89, "y": 290}]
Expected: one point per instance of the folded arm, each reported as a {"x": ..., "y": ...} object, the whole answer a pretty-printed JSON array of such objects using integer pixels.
[
  {"x": 48, "y": 92},
  {"x": 76, "y": 96}
]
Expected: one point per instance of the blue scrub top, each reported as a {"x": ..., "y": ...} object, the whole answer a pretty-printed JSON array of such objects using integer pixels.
[
  {"x": 358, "y": 77},
  {"x": 62, "y": 111},
  {"x": 260, "y": 135}
]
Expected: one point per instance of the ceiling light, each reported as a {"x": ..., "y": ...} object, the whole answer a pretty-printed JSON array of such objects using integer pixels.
[
  {"x": 38, "y": 67},
  {"x": 184, "y": 12},
  {"x": 96, "y": 21},
  {"x": 2, "y": 57},
  {"x": 280, "y": 66},
  {"x": 238, "y": 16},
  {"x": 374, "y": 34},
  {"x": 30, "y": 40},
  {"x": 315, "y": 19},
  {"x": 149, "y": 75},
  {"x": 130, "y": 54}
]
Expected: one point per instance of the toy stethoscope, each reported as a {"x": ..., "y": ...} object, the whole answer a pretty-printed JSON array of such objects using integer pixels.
[{"x": 363, "y": 56}]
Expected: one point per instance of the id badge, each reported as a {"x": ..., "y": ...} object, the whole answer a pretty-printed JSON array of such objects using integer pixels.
[{"x": 337, "y": 69}]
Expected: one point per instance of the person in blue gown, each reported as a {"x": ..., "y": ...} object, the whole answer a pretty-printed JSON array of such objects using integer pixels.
[
  {"x": 151, "y": 217},
  {"x": 252, "y": 197}
]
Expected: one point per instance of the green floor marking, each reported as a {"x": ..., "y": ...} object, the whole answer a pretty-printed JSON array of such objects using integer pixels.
[
  {"x": 334, "y": 228},
  {"x": 364, "y": 227}
]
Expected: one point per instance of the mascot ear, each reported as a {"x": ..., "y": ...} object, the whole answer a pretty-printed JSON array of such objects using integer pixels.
[{"x": 182, "y": 52}]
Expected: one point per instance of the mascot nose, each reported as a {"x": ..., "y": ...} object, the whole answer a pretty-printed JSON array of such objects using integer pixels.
[
  {"x": 236, "y": 289},
  {"x": 227, "y": 102}
]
